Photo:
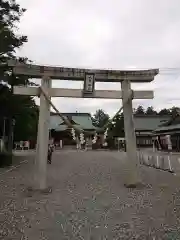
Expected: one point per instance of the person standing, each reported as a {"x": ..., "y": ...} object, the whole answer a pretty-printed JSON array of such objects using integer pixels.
[{"x": 50, "y": 151}]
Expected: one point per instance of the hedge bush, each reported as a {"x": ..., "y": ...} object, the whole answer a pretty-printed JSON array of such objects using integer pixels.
[{"x": 5, "y": 159}]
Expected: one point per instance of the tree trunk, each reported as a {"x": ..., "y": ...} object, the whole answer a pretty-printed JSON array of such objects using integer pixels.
[{"x": 10, "y": 122}]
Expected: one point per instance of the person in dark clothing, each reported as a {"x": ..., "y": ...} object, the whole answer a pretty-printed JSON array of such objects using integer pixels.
[
  {"x": 156, "y": 144},
  {"x": 50, "y": 151}
]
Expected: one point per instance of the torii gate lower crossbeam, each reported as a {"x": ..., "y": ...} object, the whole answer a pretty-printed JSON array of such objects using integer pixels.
[{"x": 125, "y": 77}]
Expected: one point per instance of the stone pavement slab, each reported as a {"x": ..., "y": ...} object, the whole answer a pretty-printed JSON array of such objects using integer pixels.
[{"x": 89, "y": 201}]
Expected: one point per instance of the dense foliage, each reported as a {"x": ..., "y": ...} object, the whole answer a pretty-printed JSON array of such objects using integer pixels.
[
  {"x": 100, "y": 118},
  {"x": 22, "y": 109},
  {"x": 150, "y": 111}
]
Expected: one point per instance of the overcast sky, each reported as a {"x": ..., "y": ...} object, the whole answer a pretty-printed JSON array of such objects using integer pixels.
[{"x": 118, "y": 34}]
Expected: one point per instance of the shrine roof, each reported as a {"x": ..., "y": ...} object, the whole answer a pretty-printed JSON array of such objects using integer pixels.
[
  {"x": 149, "y": 122},
  {"x": 81, "y": 120},
  {"x": 172, "y": 125},
  {"x": 84, "y": 120}
]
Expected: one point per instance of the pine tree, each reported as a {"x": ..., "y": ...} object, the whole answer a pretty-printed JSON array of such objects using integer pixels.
[
  {"x": 100, "y": 118},
  {"x": 140, "y": 110},
  {"x": 10, "y": 13}
]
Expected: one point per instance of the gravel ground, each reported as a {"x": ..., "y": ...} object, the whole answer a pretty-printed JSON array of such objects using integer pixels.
[
  {"x": 16, "y": 160},
  {"x": 89, "y": 201}
]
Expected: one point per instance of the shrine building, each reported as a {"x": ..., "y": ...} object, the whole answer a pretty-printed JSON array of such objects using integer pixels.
[{"x": 60, "y": 131}]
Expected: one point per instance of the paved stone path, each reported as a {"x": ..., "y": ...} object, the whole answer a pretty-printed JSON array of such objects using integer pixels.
[{"x": 89, "y": 201}]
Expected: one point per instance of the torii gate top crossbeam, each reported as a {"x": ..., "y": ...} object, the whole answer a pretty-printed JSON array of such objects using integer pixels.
[{"x": 76, "y": 74}]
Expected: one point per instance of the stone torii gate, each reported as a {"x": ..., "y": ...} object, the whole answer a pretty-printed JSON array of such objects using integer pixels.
[{"x": 89, "y": 76}]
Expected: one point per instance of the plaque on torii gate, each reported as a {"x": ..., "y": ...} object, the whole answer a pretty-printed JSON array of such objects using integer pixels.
[
  {"x": 89, "y": 76},
  {"x": 89, "y": 85}
]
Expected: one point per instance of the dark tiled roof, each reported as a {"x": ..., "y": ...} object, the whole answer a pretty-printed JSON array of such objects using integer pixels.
[
  {"x": 168, "y": 128},
  {"x": 71, "y": 121},
  {"x": 173, "y": 121},
  {"x": 149, "y": 122},
  {"x": 82, "y": 120},
  {"x": 141, "y": 122},
  {"x": 172, "y": 125}
]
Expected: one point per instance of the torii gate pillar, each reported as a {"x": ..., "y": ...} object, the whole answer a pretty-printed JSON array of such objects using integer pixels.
[
  {"x": 43, "y": 136},
  {"x": 133, "y": 176}
]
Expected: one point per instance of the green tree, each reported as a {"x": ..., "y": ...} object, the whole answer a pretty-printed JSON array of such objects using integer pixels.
[
  {"x": 139, "y": 110},
  {"x": 100, "y": 118},
  {"x": 116, "y": 128},
  {"x": 174, "y": 111},
  {"x": 26, "y": 118},
  {"x": 150, "y": 111},
  {"x": 25, "y": 115},
  {"x": 164, "y": 111},
  {"x": 16, "y": 106},
  {"x": 10, "y": 13}
]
